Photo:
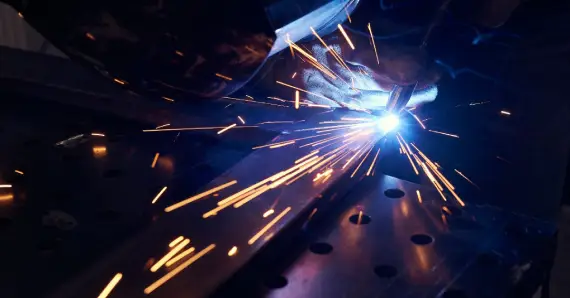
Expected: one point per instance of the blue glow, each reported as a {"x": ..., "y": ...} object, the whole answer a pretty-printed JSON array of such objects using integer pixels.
[{"x": 388, "y": 123}]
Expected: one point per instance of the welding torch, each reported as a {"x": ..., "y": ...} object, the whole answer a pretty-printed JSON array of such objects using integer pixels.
[{"x": 401, "y": 95}]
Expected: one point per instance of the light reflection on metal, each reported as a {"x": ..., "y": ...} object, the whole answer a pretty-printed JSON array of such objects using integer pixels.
[
  {"x": 155, "y": 285},
  {"x": 268, "y": 226},
  {"x": 99, "y": 151},
  {"x": 110, "y": 286},
  {"x": 6, "y": 197}
]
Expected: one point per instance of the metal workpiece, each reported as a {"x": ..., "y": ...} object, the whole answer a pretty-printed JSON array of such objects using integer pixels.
[{"x": 393, "y": 243}]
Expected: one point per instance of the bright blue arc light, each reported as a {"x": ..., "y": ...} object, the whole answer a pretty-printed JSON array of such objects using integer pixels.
[{"x": 388, "y": 123}]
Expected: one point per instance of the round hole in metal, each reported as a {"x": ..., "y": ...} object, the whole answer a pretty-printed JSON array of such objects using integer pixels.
[
  {"x": 360, "y": 219},
  {"x": 394, "y": 193},
  {"x": 421, "y": 239},
  {"x": 275, "y": 282},
  {"x": 321, "y": 248},
  {"x": 454, "y": 293},
  {"x": 112, "y": 173},
  {"x": 385, "y": 271}
]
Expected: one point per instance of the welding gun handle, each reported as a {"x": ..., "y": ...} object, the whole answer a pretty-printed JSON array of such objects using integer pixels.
[{"x": 399, "y": 98}]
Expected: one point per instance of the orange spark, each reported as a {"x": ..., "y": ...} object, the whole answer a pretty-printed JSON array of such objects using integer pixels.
[
  {"x": 155, "y": 160},
  {"x": 373, "y": 163},
  {"x": 268, "y": 212},
  {"x": 297, "y": 88},
  {"x": 110, "y": 286},
  {"x": 297, "y": 99},
  {"x": 177, "y": 270},
  {"x": 175, "y": 241},
  {"x": 226, "y": 128},
  {"x": 306, "y": 156},
  {"x": 444, "y": 133},
  {"x": 419, "y": 196},
  {"x": 96, "y": 134},
  {"x": 19, "y": 172},
  {"x": 506, "y": 113},
  {"x": 254, "y": 101},
  {"x": 168, "y": 98},
  {"x": 373, "y": 43},
  {"x": 180, "y": 256},
  {"x": 5, "y": 185},
  {"x": 198, "y": 196},
  {"x": 119, "y": 81},
  {"x": 90, "y": 36},
  {"x": 232, "y": 251},
  {"x": 268, "y": 226},
  {"x": 158, "y": 195},
  {"x": 345, "y": 36},
  {"x": 465, "y": 177},
  {"x": 194, "y": 128},
  {"x": 223, "y": 77},
  {"x": 179, "y": 53},
  {"x": 282, "y": 144},
  {"x": 162, "y": 126},
  {"x": 294, "y": 75},
  {"x": 169, "y": 255}
]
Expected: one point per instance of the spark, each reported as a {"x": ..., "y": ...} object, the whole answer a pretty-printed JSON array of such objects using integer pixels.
[
  {"x": 155, "y": 160},
  {"x": 361, "y": 162},
  {"x": 110, "y": 286},
  {"x": 158, "y": 195},
  {"x": 373, "y": 43},
  {"x": 294, "y": 75},
  {"x": 298, "y": 139},
  {"x": 180, "y": 256},
  {"x": 282, "y": 145},
  {"x": 223, "y": 77},
  {"x": 241, "y": 120},
  {"x": 297, "y": 88},
  {"x": 398, "y": 136},
  {"x": 250, "y": 97},
  {"x": 169, "y": 255},
  {"x": 20, "y": 15},
  {"x": 465, "y": 177},
  {"x": 96, "y": 134},
  {"x": 268, "y": 212},
  {"x": 254, "y": 101},
  {"x": 90, "y": 36},
  {"x": 198, "y": 196},
  {"x": 178, "y": 269},
  {"x": 226, "y": 129},
  {"x": 179, "y": 53},
  {"x": 121, "y": 82},
  {"x": 419, "y": 196},
  {"x": 233, "y": 251},
  {"x": 19, "y": 172},
  {"x": 332, "y": 51},
  {"x": 268, "y": 226},
  {"x": 175, "y": 241},
  {"x": 306, "y": 156},
  {"x": 168, "y": 98},
  {"x": 345, "y": 36},
  {"x": 195, "y": 128},
  {"x": 506, "y": 113},
  {"x": 444, "y": 133},
  {"x": 323, "y": 174},
  {"x": 296, "y": 99},
  {"x": 5, "y": 185},
  {"x": 7, "y": 197},
  {"x": 276, "y": 122},
  {"x": 162, "y": 126},
  {"x": 417, "y": 119},
  {"x": 312, "y": 60},
  {"x": 373, "y": 163}
]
